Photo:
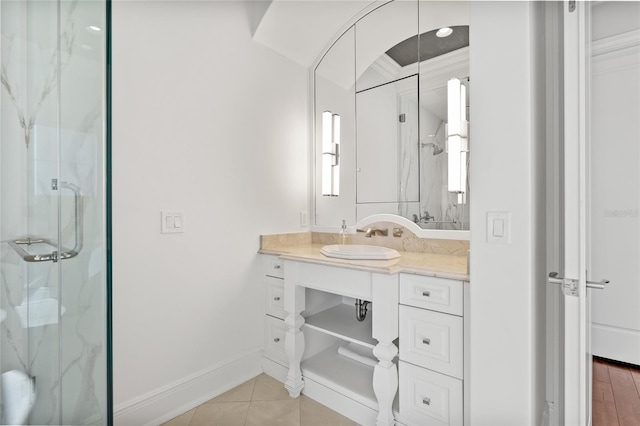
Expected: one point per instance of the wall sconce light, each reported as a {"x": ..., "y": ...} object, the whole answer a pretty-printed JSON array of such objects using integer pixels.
[
  {"x": 330, "y": 154},
  {"x": 457, "y": 138}
]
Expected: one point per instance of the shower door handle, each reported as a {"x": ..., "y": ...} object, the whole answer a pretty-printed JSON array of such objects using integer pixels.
[{"x": 78, "y": 222}]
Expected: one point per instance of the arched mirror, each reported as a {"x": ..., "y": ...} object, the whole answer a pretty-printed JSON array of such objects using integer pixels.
[{"x": 391, "y": 119}]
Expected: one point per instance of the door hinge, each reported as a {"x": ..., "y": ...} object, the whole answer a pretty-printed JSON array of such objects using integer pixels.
[
  {"x": 402, "y": 118},
  {"x": 572, "y": 5}
]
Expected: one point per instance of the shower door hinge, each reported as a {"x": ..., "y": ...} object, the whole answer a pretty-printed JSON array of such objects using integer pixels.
[
  {"x": 572, "y": 5},
  {"x": 54, "y": 184},
  {"x": 402, "y": 118}
]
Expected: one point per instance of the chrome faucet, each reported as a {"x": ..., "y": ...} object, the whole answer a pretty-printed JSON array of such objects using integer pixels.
[
  {"x": 426, "y": 218},
  {"x": 374, "y": 231}
]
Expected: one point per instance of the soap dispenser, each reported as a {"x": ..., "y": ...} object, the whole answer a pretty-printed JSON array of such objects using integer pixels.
[{"x": 343, "y": 237}]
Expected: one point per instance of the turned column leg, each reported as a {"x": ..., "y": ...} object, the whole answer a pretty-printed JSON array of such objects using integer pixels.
[
  {"x": 294, "y": 348},
  {"x": 294, "y": 301},
  {"x": 385, "y": 330},
  {"x": 385, "y": 381}
]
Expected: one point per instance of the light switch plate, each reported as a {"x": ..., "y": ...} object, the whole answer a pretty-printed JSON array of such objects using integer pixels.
[
  {"x": 499, "y": 227},
  {"x": 172, "y": 222}
]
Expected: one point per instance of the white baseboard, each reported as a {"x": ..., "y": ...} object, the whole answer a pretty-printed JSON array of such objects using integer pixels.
[
  {"x": 619, "y": 344},
  {"x": 167, "y": 402},
  {"x": 274, "y": 369}
]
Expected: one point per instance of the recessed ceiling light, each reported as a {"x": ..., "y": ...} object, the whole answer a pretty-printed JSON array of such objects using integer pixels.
[
  {"x": 94, "y": 29},
  {"x": 444, "y": 32}
]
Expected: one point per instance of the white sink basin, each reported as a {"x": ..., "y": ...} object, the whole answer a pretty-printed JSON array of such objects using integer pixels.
[{"x": 360, "y": 252}]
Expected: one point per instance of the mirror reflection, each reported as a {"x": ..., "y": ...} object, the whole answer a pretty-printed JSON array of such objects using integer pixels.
[
  {"x": 387, "y": 147},
  {"x": 335, "y": 93},
  {"x": 402, "y": 117}
]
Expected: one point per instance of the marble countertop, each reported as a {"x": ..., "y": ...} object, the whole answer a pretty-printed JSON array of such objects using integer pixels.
[{"x": 429, "y": 264}]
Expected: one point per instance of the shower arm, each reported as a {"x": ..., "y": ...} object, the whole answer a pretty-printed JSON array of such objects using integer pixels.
[{"x": 65, "y": 253}]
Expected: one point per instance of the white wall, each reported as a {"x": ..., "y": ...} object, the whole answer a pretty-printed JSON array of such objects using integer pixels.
[
  {"x": 207, "y": 122},
  {"x": 507, "y": 284},
  {"x": 614, "y": 17}
]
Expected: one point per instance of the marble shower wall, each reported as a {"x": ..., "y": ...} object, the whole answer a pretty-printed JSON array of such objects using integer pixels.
[
  {"x": 52, "y": 126},
  {"x": 434, "y": 196}
]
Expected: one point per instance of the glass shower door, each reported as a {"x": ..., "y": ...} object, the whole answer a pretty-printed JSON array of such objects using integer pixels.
[{"x": 53, "y": 336}]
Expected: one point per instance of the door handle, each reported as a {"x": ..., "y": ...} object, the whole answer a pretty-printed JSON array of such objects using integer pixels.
[
  {"x": 555, "y": 279},
  {"x": 597, "y": 284}
]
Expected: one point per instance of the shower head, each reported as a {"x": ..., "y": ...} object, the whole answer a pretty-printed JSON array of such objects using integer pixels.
[{"x": 437, "y": 149}]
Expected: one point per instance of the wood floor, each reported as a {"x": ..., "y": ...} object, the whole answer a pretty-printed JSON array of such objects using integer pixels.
[{"x": 616, "y": 394}]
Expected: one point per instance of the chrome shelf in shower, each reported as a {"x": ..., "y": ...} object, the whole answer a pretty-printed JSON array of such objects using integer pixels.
[
  {"x": 53, "y": 256},
  {"x": 62, "y": 253}
]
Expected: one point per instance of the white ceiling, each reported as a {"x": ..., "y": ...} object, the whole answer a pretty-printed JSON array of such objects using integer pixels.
[{"x": 302, "y": 29}]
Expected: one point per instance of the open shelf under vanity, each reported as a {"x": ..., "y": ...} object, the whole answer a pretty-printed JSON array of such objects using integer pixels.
[
  {"x": 340, "y": 321},
  {"x": 350, "y": 378}
]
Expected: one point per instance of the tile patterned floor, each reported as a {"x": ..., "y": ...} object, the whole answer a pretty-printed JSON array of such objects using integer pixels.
[{"x": 262, "y": 401}]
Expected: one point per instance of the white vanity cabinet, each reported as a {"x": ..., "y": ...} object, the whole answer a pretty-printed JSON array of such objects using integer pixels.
[
  {"x": 413, "y": 338},
  {"x": 432, "y": 350},
  {"x": 273, "y": 276}
]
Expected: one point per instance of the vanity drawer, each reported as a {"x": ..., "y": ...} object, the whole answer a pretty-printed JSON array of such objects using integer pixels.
[
  {"x": 432, "y": 340},
  {"x": 274, "y": 340},
  {"x": 273, "y": 267},
  {"x": 429, "y": 398},
  {"x": 438, "y": 294},
  {"x": 275, "y": 297}
]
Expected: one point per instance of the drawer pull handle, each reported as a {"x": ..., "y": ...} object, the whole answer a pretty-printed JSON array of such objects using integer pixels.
[
  {"x": 276, "y": 266},
  {"x": 426, "y": 293},
  {"x": 426, "y": 401},
  {"x": 426, "y": 341},
  {"x": 276, "y": 298},
  {"x": 277, "y": 339}
]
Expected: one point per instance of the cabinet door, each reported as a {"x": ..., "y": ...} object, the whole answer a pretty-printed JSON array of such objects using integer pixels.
[
  {"x": 429, "y": 398},
  {"x": 432, "y": 340}
]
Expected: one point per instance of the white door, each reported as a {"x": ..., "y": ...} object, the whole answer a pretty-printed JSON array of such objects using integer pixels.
[
  {"x": 599, "y": 229},
  {"x": 576, "y": 305}
]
